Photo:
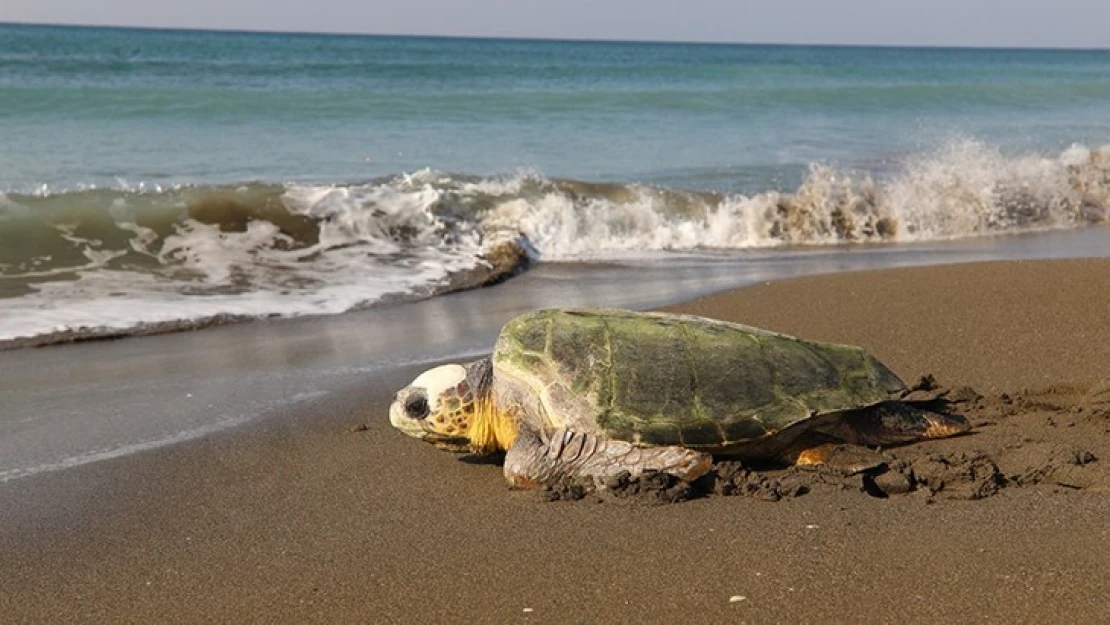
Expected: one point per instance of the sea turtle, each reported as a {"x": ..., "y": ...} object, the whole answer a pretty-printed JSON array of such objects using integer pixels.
[{"x": 593, "y": 393}]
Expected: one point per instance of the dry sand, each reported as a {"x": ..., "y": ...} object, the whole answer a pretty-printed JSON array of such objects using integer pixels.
[{"x": 300, "y": 519}]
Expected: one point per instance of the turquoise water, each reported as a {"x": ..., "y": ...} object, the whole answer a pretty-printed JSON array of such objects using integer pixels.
[
  {"x": 162, "y": 177},
  {"x": 93, "y": 106}
]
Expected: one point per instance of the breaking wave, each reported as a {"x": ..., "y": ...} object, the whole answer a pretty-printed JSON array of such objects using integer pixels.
[
  {"x": 965, "y": 189},
  {"x": 96, "y": 262}
]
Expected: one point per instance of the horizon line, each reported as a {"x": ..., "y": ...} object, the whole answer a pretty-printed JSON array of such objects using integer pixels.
[{"x": 242, "y": 31}]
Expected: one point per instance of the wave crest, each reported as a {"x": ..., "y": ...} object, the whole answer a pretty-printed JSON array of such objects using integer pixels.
[
  {"x": 965, "y": 189},
  {"x": 110, "y": 259}
]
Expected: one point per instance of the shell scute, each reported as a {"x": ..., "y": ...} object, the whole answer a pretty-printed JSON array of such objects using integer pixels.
[
  {"x": 659, "y": 433},
  {"x": 744, "y": 429},
  {"x": 580, "y": 350},
  {"x": 798, "y": 368},
  {"x": 732, "y": 376},
  {"x": 703, "y": 433},
  {"x": 651, "y": 377}
]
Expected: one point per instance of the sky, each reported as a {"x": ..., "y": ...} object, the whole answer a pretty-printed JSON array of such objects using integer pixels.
[{"x": 1008, "y": 23}]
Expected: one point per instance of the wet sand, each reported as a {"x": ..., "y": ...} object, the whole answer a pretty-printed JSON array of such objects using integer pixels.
[{"x": 303, "y": 517}]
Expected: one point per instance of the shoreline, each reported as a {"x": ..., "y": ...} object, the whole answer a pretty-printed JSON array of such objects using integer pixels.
[
  {"x": 508, "y": 259},
  {"x": 292, "y": 517}
]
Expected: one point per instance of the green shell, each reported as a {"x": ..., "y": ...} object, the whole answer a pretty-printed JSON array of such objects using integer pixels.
[{"x": 657, "y": 379}]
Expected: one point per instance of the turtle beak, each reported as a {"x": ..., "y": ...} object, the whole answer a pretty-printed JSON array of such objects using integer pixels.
[
  {"x": 402, "y": 422},
  {"x": 415, "y": 429}
]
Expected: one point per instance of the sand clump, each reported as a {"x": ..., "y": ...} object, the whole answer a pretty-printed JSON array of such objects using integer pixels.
[{"x": 1050, "y": 438}]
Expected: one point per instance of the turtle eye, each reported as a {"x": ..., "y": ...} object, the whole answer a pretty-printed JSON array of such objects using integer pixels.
[{"x": 416, "y": 406}]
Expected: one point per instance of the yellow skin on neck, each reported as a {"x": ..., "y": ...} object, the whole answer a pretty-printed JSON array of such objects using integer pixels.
[{"x": 490, "y": 430}]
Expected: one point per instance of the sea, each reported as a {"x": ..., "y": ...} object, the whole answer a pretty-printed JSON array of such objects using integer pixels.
[{"x": 170, "y": 178}]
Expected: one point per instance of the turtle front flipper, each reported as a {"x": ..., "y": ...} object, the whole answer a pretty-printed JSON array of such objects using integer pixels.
[{"x": 539, "y": 458}]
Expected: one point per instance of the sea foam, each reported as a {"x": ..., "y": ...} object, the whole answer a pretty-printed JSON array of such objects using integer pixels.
[
  {"x": 964, "y": 189},
  {"x": 95, "y": 262}
]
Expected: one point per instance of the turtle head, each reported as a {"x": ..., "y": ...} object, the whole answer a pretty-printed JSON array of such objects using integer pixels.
[
  {"x": 452, "y": 407},
  {"x": 438, "y": 407}
]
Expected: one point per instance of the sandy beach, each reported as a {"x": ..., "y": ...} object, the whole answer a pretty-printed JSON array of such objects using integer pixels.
[
  {"x": 227, "y": 240},
  {"x": 303, "y": 516}
]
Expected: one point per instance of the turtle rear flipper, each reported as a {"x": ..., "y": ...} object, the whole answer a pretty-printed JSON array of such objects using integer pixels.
[
  {"x": 856, "y": 432},
  {"x": 893, "y": 423},
  {"x": 539, "y": 458}
]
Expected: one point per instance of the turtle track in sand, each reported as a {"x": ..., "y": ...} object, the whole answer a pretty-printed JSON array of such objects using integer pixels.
[{"x": 1056, "y": 438}]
